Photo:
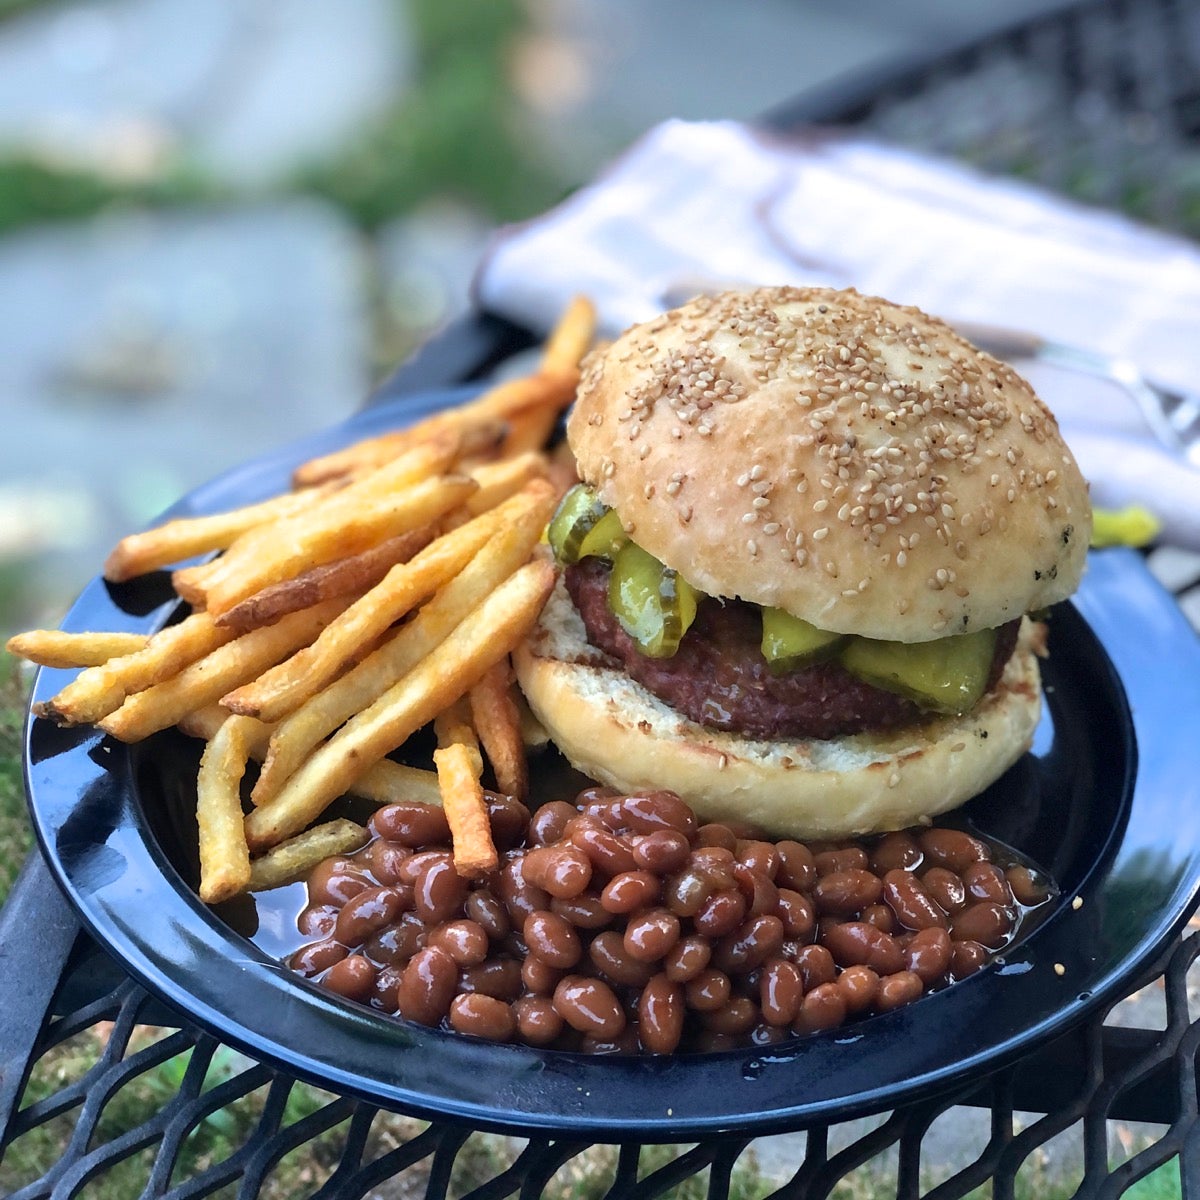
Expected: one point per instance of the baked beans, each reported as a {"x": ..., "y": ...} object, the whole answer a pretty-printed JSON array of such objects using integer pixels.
[{"x": 620, "y": 924}]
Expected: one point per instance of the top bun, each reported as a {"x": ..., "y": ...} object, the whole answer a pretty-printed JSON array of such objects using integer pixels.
[{"x": 852, "y": 461}]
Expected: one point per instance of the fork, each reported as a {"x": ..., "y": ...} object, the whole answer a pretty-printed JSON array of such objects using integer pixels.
[{"x": 1173, "y": 415}]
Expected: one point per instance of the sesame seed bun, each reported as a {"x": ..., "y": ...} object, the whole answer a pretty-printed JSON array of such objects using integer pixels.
[
  {"x": 852, "y": 461},
  {"x": 615, "y": 731}
]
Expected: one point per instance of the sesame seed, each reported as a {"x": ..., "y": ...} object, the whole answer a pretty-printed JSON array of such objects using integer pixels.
[
  {"x": 752, "y": 546},
  {"x": 819, "y": 535},
  {"x": 1060, "y": 970},
  {"x": 1077, "y": 903}
]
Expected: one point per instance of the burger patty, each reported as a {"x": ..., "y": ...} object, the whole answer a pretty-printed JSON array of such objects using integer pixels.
[{"x": 719, "y": 678}]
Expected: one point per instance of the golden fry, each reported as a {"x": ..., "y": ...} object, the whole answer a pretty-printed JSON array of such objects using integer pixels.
[
  {"x": 188, "y": 536},
  {"x": 98, "y": 691},
  {"x": 466, "y": 811},
  {"x": 571, "y": 338},
  {"x": 500, "y": 480},
  {"x": 224, "y": 856},
  {"x": 487, "y": 635},
  {"x": 453, "y": 725},
  {"x": 521, "y": 521},
  {"x": 497, "y": 721},
  {"x": 283, "y": 689},
  {"x": 54, "y": 648},
  {"x": 385, "y": 783},
  {"x": 294, "y": 859},
  {"x": 330, "y": 534},
  {"x": 209, "y": 678},
  {"x": 355, "y": 573}
]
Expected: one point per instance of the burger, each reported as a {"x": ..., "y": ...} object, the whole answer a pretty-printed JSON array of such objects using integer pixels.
[{"x": 804, "y": 563}]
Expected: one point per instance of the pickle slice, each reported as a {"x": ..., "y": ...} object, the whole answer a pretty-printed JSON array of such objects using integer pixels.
[
  {"x": 790, "y": 642},
  {"x": 652, "y": 603},
  {"x": 948, "y": 675},
  {"x": 578, "y": 513},
  {"x": 604, "y": 538}
]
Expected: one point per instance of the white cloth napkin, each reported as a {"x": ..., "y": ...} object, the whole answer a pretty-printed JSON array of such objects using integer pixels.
[{"x": 693, "y": 206}]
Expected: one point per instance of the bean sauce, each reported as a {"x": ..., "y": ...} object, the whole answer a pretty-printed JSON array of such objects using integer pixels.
[{"x": 620, "y": 924}]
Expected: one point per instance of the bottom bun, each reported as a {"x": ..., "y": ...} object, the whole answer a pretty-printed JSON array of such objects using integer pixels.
[{"x": 616, "y": 732}]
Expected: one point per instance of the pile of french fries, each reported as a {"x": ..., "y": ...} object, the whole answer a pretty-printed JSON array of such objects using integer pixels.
[{"x": 383, "y": 592}]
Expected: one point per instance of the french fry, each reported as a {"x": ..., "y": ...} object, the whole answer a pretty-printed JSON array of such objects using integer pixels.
[
  {"x": 419, "y": 465},
  {"x": 294, "y": 859},
  {"x": 522, "y": 520},
  {"x": 98, "y": 691},
  {"x": 187, "y": 537},
  {"x": 571, "y": 337},
  {"x": 385, "y": 783},
  {"x": 486, "y": 636},
  {"x": 354, "y": 573},
  {"x": 224, "y": 855},
  {"x": 500, "y": 480},
  {"x": 54, "y": 648},
  {"x": 329, "y": 535},
  {"x": 207, "y": 679},
  {"x": 284, "y": 688},
  {"x": 466, "y": 811},
  {"x": 453, "y": 725},
  {"x": 497, "y": 721}
]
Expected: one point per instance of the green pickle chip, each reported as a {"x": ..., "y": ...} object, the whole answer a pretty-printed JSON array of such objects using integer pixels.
[{"x": 652, "y": 603}]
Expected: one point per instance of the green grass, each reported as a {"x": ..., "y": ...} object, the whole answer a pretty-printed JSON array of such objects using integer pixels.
[{"x": 15, "y": 835}]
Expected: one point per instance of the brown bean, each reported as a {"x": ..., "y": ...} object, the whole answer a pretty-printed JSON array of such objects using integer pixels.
[
  {"x": 609, "y": 957},
  {"x": 488, "y": 913},
  {"x": 439, "y": 892},
  {"x": 715, "y": 865},
  {"x": 686, "y": 891},
  {"x": 856, "y": 942},
  {"x": 499, "y": 977},
  {"x": 660, "y": 1012},
  {"x": 895, "y": 851},
  {"x": 367, "y": 913},
  {"x": 881, "y": 917},
  {"x": 317, "y": 920},
  {"x": 945, "y": 888},
  {"x": 796, "y": 912},
  {"x": 412, "y": 824},
  {"x": 584, "y": 911},
  {"x": 816, "y": 966},
  {"x": 538, "y": 976},
  {"x": 657, "y": 810},
  {"x": 716, "y": 834},
  {"x": 797, "y": 867},
  {"x": 399, "y": 942},
  {"x": 1028, "y": 888},
  {"x": 607, "y": 852},
  {"x": 735, "y": 1018},
  {"x": 928, "y": 955},
  {"x": 914, "y": 907},
  {"x": 518, "y": 896},
  {"x": 985, "y": 881},
  {"x": 686, "y": 959},
  {"x": 625, "y": 1042},
  {"x": 966, "y": 958},
  {"x": 780, "y": 991},
  {"x": 589, "y": 1005},
  {"x": 561, "y": 870},
  {"x": 721, "y": 913},
  {"x": 386, "y": 988},
  {"x": 834, "y": 862},
  {"x": 427, "y": 985},
  {"x": 759, "y": 856},
  {"x": 482, "y": 1016},
  {"x": 857, "y": 985},
  {"x": 552, "y": 939},
  {"x": 353, "y": 977},
  {"x": 749, "y": 945},
  {"x": 629, "y": 891},
  {"x": 844, "y": 893},
  {"x": 549, "y": 822},
  {"x": 708, "y": 990},
  {"x": 538, "y": 1022},
  {"x": 508, "y": 819},
  {"x": 335, "y": 880},
  {"x": 984, "y": 922},
  {"x": 663, "y": 851},
  {"x": 385, "y": 859},
  {"x": 651, "y": 934},
  {"x": 897, "y": 989},
  {"x": 822, "y": 1008},
  {"x": 420, "y": 861},
  {"x": 758, "y": 887},
  {"x": 316, "y": 957},
  {"x": 951, "y": 848},
  {"x": 465, "y": 941}
]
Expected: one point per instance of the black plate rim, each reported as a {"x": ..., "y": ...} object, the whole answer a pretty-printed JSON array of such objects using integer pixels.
[{"x": 747, "y": 1091}]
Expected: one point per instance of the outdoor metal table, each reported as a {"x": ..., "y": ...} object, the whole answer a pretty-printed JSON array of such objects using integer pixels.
[{"x": 56, "y": 983}]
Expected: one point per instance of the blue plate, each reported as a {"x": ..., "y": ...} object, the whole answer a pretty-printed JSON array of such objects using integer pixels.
[{"x": 1107, "y": 801}]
